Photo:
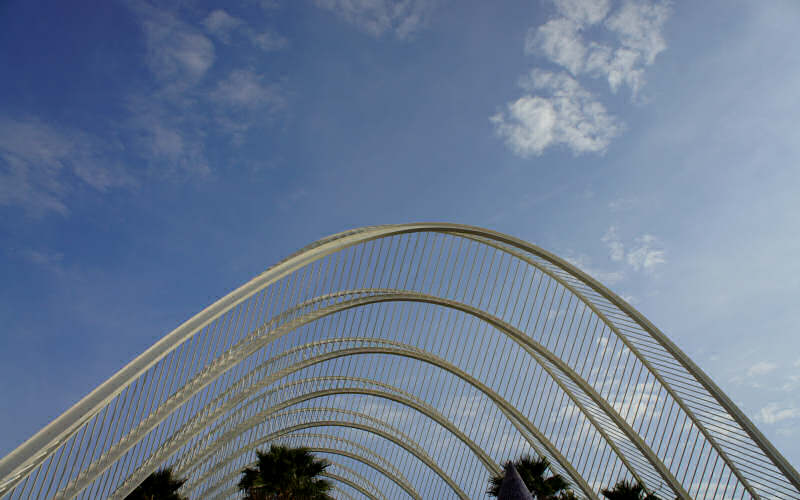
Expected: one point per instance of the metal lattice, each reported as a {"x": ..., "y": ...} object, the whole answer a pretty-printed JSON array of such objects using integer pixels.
[{"x": 415, "y": 358}]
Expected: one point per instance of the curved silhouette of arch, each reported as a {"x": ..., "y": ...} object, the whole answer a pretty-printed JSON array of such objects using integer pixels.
[
  {"x": 342, "y": 492},
  {"x": 385, "y": 468},
  {"x": 232, "y": 490},
  {"x": 512, "y": 413},
  {"x": 258, "y": 418},
  {"x": 398, "y": 480},
  {"x": 506, "y": 408},
  {"x": 351, "y": 483},
  {"x": 596, "y": 387}
]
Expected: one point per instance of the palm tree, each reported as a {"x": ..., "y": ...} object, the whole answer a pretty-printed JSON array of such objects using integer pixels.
[
  {"x": 285, "y": 473},
  {"x": 160, "y": 485},
  {"x": 628, "y": 490},
  {"x": 533, "y": 472}
]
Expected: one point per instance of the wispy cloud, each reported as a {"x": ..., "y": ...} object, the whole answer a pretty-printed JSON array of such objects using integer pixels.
[
  {"x": 559, "y": 111},
  {"x": 377, "y": 17},
  {"x": 583, "y": 11},
  {"x": 177, "y": 53},
  {"x": 616, "y": 250},
  {"x": 606, "y": 277},
  {"x": 531, "y": 123},
  {"x": 560, "y": 41},
  {"x": 638, "y": 25},
  {"x": 243, "y": 87},
  {"x": 193, "y": 101},
  {"x": 39, "y": 164},
  {"x": 761, "y": 368},
  {"x": 645, "y": 253},
  {"x": 242, "y": 98},
  {"x": 636, "y": 29},
  {"x": 269, "y": 41},
  {"x": 169, "y": 135},
  {"x": 621, "y": 204},
  {"x": 792, "y": 383},
  {"x": 774, "y": 413},
  {"x": 222, "y": 25}
]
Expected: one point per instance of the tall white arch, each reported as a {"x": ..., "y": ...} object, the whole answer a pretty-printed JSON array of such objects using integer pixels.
[{"x": 515, "y": 350}]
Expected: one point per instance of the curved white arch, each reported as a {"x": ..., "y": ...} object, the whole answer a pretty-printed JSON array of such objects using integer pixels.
[
  {"x": 722, "y": 447},
  {"x": 488, "y": 463},
  {"x": 412, "y": 448},
  {"x": 386, "y": 468}
]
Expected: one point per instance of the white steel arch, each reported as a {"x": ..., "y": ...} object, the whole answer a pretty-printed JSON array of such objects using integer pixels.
[{"x": 478, "y": 345}]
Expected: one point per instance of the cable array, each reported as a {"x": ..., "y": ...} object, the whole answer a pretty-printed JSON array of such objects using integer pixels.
[{"x": 416, "y": 359}]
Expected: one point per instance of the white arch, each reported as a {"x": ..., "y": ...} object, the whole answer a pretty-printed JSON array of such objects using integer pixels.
[{"x": 748, "y": 460}]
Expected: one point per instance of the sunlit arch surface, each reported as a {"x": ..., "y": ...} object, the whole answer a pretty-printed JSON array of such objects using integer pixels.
[{"x": 415, "y": 358}]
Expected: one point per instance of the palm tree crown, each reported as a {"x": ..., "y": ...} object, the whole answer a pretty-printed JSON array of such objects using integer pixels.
[
  {"x": 160, "y": 485},
  {"x": 533, "y": 472},
  {"x": 628, "y": 490},
  {"x": 285, "y": 473}
]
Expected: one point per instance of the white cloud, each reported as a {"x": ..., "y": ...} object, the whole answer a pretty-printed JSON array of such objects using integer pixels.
[
  {"x": 621, "y": 204},
  {"x": 604, "y": 277},
  {"x": 221, "y": 24},
  {"x": 792, "y": 382},
  {"x": 560, "y": 41},
  {"x": 268, "y": 41},
  {"x": 773, "y": 413},
  {"x": 761, "y": 368},
  {"x": 619, "y": 66},
  {"x": 376, "y": 17},
  {"x": 616, "y": 249},
  {"x": 39, "y": 162},
  {"x": 573, "y": 116},
  {"x": 638, "y": 24},
  {"x": 561, "y": 113},
  {"x": 583, "y": 11},
  {"x": 177, "y": 53},
  {"x": 644, "y": 255},
  {"x": 245, "y": 88},
  {"x": 528, "y": 126},
  {"x": 169, "y": 136}
]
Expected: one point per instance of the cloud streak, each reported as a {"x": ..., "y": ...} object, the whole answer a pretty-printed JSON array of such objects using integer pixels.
[
  {"x": 605, "y": 277},
  {"x": 403, "y": 18},
  {"x": 244, "y": 87},
  {"x": 195, "y": 100},
  {"x": 177, "y": 53},
  {"x": 222, "y": 25},
  {"x": 761, "y": 368},
  {"x": 774, "y": 413},
  {"x": 40, "y": 164}
]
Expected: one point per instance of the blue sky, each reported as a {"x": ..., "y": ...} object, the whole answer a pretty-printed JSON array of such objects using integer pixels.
[{"x": 155, "y": 156}]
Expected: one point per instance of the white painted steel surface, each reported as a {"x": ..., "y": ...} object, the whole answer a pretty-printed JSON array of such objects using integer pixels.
[{"x": 416, "y": 358}]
